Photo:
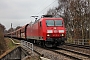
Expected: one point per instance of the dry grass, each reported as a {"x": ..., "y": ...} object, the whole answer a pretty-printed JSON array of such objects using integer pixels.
[{"x": 9, "y": 46}]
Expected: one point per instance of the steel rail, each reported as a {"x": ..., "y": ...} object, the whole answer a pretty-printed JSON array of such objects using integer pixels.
[
  {"x": 79, "y": 46},
  {"x": 86, "y": 55}
]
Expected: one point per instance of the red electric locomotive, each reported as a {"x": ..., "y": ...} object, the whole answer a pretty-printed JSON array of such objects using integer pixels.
[{"x": 47, "y": 31}]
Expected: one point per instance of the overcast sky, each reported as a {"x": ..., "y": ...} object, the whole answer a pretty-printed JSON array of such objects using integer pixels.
[{"x": 18, "y": 12}]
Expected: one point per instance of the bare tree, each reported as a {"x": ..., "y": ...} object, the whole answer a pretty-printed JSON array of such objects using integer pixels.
[
  {"x": 2, "y": 41},
  {"x": 10, "y": 30},
  {"x": 2, "y": 27},
  {"x": 17, "y": 27}
]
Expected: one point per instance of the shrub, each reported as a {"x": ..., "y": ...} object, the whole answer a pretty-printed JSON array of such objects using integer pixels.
[{"x": 2, "y": 42}]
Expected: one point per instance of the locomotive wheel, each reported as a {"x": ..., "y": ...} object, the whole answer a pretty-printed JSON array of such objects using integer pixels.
[
  {"x": 48, "y": 44},
  {"x": 42, "y": 44},
  {"x": 62, "y": 43},
  {"x": 38, "y": 42}
]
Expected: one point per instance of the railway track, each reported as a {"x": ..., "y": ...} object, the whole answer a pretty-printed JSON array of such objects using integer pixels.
[
  {"x": 76, "y": 52},
  {"x": 64, "y": 53},
  {"x": 71, "y": 54},
  {"x": 79, "y": 46}
]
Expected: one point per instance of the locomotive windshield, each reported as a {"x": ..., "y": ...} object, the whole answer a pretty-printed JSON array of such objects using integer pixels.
[
  {"x": 50, "y": 22},
  {"x": 54, "y": 22}
]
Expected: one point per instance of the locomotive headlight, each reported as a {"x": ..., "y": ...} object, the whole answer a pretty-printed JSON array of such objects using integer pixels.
[
  {"x": 61, "y": 31},
  {"x": 49, "y": 31},
  {"x": 62, "y": 34},
  {"x": 48, "y": 34}
]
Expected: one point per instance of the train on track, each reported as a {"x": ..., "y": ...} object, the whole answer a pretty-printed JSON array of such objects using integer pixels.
[{"x": 46, "y": 31}]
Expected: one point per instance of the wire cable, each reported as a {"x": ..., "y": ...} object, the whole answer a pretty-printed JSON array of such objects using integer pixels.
[
  {"x": 40, "y": 5},
  {"x": 46, "y": 7}
]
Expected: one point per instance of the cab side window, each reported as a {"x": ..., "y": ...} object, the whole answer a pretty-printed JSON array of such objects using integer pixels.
[{"x": 40, "y": 24}]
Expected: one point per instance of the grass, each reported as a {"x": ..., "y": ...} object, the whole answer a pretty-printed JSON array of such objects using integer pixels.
[{"x": 9, "y": 43}]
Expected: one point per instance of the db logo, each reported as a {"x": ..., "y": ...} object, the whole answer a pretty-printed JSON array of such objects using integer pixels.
[{"x": 55, "y": 31}]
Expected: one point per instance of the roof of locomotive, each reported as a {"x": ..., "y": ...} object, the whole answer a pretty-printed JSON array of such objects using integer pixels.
[
  {"x": 53, "y": 18},
  {"x": 45, "y": 17}
]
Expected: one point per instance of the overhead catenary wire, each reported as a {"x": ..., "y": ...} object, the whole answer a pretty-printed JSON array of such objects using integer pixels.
[
  {"x": 46, "y": 7},
  {"x": 37, "y": 14},
  {"x": 41, "y": 5}
]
